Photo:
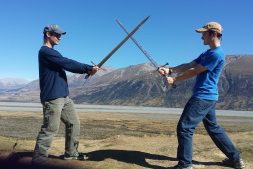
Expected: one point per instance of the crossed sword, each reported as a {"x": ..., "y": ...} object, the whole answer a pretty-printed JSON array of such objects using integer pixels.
[
  {"x": 129, "y": 35},
  {"x": 153, "y": 62},
  {"x": 119, "y": 45}
]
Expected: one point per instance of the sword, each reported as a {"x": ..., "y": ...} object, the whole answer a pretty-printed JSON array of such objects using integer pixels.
[
  {"x": 154, "y": 63},
  {"x": 119, "y": 45},
  {"x": 139, "y": 46}
]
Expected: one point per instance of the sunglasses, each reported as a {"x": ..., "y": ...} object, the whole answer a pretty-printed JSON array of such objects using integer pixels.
[{"x": 57, "y": 35}]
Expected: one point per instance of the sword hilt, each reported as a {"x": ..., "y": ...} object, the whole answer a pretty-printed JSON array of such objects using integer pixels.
[
  {"x": 167, "y": 75},
  {"x": 88, "y": 75},
  {"x": 98, "y": 66},
  {"x": 165, "y": 64},
  {"x": 165, "y": 81}
]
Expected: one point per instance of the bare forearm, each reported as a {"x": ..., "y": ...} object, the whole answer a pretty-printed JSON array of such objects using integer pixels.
[
  {"x": 185, "y": 75},
  {"x": 180, "y": 68},
  {"x": 184, "y": 71},
  {"x": 190, "y": 73},
  {"x": 183, "y": 67}
]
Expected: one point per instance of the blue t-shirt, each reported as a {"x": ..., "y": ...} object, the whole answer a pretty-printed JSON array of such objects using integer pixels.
[
  {"x": 206, "y": 86},
  {"x": 53, "y": 79}
]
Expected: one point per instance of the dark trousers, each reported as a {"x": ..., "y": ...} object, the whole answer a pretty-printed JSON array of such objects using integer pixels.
[{"x": 195, "y": 111}]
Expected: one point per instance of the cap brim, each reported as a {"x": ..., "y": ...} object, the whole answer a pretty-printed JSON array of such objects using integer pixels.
[
  {"x": 60, "y": 32},
  {"x": 200, "y": 30}
]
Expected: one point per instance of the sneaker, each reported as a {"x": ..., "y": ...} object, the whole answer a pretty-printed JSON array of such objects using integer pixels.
[
  {"x": 182, "y": 167},
  {"x": 237, "y": 164},
  {"x": 76, "y": 156}
]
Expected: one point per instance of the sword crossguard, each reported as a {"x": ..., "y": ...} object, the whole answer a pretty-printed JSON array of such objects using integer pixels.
[
  {"x": 97, "y": 65},
  {"x": 88, "y": 75},
  {"x": 166, "y": 64},
  {"x": 93, "y": 63}
]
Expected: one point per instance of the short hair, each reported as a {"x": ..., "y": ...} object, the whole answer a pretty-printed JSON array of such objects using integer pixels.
[
  {"x": 219, "y": 35},
  {"x": 45, "y": 36}
]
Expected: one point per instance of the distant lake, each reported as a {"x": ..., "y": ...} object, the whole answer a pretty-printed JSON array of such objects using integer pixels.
[{"x": 36, "y": 107}]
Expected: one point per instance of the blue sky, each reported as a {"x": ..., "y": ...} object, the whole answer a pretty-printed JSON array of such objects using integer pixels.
[{"x": 92, "y": 32}]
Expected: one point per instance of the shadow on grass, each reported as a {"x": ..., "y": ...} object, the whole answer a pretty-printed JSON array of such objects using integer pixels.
[
  {"x": 128, "y": 156},
  {"x": 138, "y": 158},
  {"x": 23, "y": 160}
]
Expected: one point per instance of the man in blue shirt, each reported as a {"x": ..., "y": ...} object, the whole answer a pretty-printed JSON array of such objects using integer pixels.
[
  {"x": 54, "y": 92},
  {"x": 201, "y": 107}
]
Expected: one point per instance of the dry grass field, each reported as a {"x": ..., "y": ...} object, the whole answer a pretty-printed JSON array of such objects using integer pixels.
[{"x": 128, "y": 140}]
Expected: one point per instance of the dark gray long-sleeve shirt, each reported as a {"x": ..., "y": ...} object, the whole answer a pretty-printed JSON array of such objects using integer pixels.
[{"x": 52, "y": 76}]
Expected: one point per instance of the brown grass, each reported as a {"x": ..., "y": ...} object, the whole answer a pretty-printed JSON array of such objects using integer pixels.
[{"x": 128, "y": 141}]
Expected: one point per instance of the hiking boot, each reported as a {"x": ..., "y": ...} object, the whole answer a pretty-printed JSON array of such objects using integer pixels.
[
  {"x": 237, "y": 164},
  {"x": 76, "y": 156},
  {"x": 182, "y": 167}
]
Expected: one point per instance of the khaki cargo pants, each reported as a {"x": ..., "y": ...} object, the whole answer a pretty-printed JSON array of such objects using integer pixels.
[{"x": 54, "y": 111}]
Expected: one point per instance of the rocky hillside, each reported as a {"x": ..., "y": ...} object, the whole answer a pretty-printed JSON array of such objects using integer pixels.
[
  {"x": 140, "y": 85},
  {"x": 236, "y": 83}
]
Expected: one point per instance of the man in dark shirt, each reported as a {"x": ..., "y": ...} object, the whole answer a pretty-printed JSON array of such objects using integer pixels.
[{"x": 57, "y": 106}]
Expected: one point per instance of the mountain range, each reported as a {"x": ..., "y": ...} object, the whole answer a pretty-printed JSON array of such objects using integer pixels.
[
  {"x": 141, "y": 85},
  {"x": 12, "y": 83}
]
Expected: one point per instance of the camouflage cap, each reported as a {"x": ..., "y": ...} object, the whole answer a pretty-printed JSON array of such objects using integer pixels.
[
  {"x": 213, "y": 26},
  {"x": 54, "y": 28}
]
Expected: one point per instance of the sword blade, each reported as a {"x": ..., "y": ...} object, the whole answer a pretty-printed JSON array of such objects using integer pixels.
[
  {"x": 122, "y": 42},
  {"x": 139, "y": 46},
  {"x": 145, "y": 53}
]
